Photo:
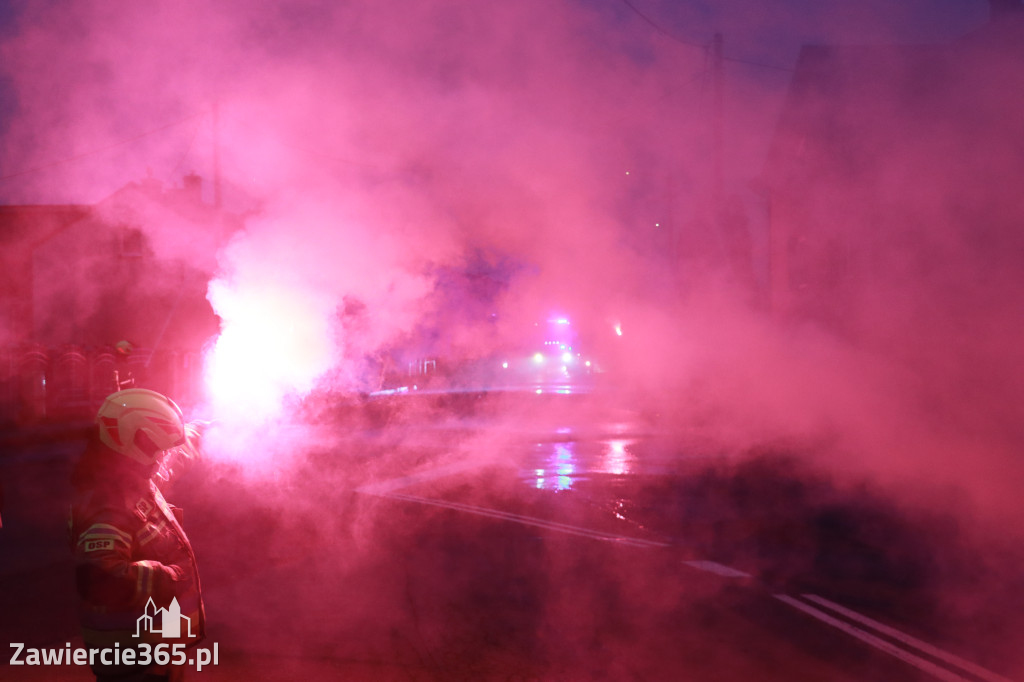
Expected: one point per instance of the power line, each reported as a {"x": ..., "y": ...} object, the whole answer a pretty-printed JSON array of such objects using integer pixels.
[
  {"x": 704, "y": 46},
  {"x": 657, "y": 27},
  {"x": 763, "y": 65},
  {"x": 114, "y": 145}
]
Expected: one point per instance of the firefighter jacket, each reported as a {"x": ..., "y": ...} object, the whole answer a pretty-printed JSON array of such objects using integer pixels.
[{"x": 132, "y": 557}]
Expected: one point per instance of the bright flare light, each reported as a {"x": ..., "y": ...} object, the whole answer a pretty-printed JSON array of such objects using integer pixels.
[{"x": 273, "y": 343}]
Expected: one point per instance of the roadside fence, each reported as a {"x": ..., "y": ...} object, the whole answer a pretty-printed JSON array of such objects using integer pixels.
[{"x": 40, "y": 384}]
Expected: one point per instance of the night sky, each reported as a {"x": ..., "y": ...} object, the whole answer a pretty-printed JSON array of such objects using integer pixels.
[{"x": 82, "y": 80}]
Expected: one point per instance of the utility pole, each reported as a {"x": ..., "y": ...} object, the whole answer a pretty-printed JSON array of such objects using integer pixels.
[
  {"x": 717, "y": 243},
  {"x": 718, "y": 115}
]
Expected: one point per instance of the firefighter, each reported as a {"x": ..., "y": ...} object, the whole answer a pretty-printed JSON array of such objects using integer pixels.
[
  {"x": 132, "y": 559},
  {"x": 123, "y": 375}
]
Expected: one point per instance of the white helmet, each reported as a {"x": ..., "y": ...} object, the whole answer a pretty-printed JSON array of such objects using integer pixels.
[{"x": 140, "y": 424}]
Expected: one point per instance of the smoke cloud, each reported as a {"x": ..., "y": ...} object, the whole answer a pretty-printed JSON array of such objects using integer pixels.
[
  {"x": 372, "y": 147},
  {"x": 561, "y": 153}
]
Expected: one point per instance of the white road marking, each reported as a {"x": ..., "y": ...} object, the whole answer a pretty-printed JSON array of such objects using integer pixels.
[
  {"x": 922, "y": 646},
  {"x": 880, "y": 644},
  {"x": 392, "y": 484},
  {"x": 527, "y": 520},
  {"x": 390, "y": 487},
  {"x": 717, "y": 568}
]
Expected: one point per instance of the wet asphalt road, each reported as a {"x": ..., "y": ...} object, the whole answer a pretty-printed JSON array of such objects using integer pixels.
[{"x": 555, "y": 544}]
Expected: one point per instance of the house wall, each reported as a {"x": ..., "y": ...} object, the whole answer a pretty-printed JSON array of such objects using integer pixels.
[
  {"x": 134, "y": 267},
  {"x": 21, "y": 229}
]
